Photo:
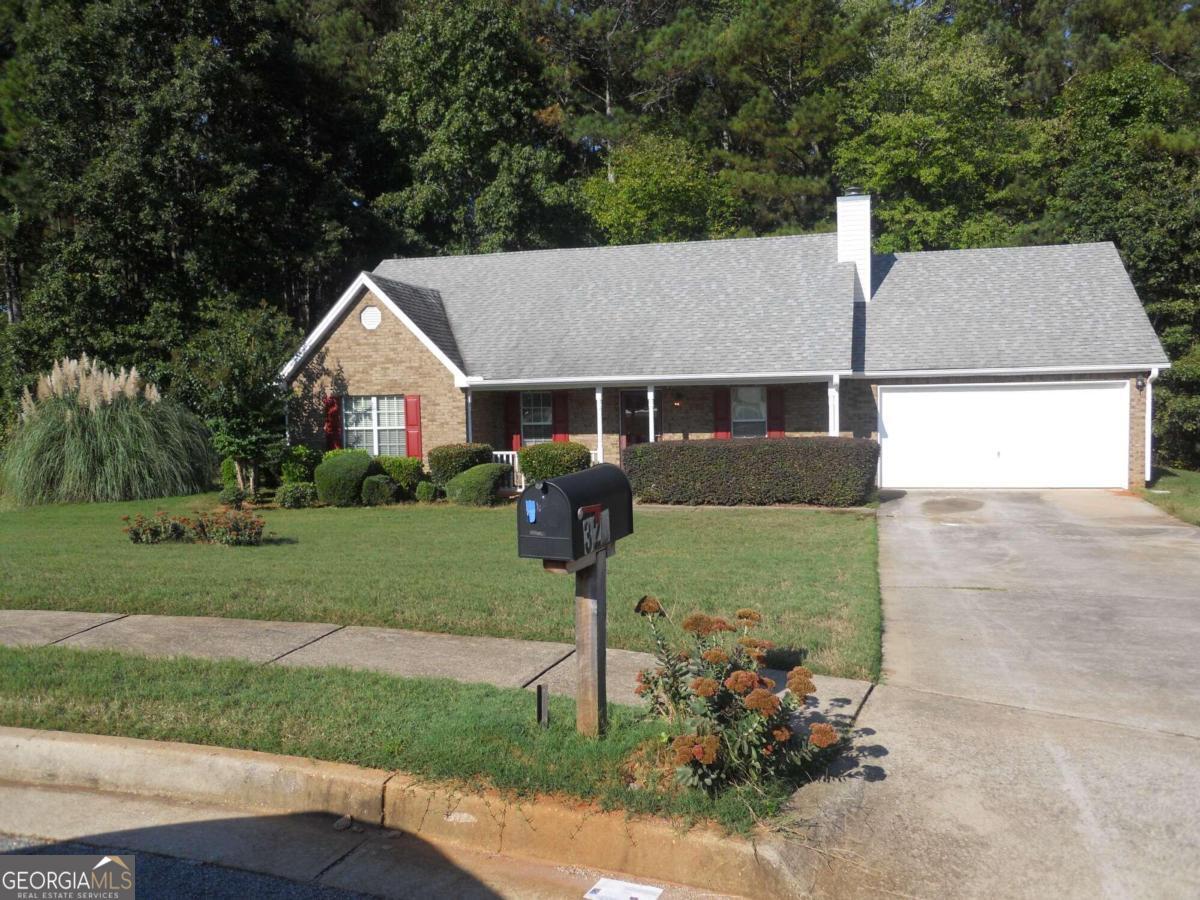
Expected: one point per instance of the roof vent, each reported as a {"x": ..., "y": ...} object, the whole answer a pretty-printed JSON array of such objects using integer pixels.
[{"x": 854, "y": 237}]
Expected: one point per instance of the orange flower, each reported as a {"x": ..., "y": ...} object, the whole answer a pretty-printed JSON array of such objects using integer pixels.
[
  {"x": 698, "y": 624},
  {"x": 649, "y": 606},
  {"x": 719, "y": 624},
  {"x": 768, "y": 683},
  {"x": 695, "y": 748},
  {"x": 748, "y": 617},
  {"x": 822, "y": 735},
  {"x": 768, "y": 750},
  {"x": 705, "y": 687},
  {"x": 782, "y": 734},
  {"x": 716, "y": 656},
  {"x": 763, "y": 701},
  {"x": 799, "y": 681},
  {"x": 755, "y": 643},
  {"x": 741, "y": 681}
]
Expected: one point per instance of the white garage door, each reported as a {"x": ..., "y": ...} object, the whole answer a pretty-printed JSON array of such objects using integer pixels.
[{"x": 1047, "y": 435}]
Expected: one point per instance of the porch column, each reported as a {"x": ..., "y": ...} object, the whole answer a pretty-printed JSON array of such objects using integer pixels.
[
  {"x": 650, "y": 409},
  {"x": 470, "y": 418},
  {"x": 599, "y": 424},
  {"x": 1149, "y": 423},
  {"x": 835, "y": 413}
]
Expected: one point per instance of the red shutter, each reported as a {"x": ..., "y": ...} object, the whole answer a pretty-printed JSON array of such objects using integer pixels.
[
  {"x": 333, "y": 423},
  {"x": 412, "y": 424},
  {"x": 560, "y": 428},
  {"x": 722, "y": 423},
  {"x": 512, "y": 420},
  {"x": 775, "y": 428}
]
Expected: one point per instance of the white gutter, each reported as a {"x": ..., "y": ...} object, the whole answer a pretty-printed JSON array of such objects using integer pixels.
[
  {"x": 479, "y": 382},
  {"x": 1032, "y": 370}
]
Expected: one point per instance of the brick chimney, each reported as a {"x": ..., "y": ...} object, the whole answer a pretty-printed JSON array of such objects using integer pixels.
[{"x": 854, "y": 236}]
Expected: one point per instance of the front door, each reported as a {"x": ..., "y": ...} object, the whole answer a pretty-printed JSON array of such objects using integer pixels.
[{"x": 635, "y": 418}]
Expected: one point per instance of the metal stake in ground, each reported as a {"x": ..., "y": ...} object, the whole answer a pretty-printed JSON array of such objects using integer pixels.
[{"x": 591, "y": 616}]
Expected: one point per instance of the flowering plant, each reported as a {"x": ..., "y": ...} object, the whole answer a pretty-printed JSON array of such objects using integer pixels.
[
  {"x": 731, "y": 727},
  {"x": 231, "y": 527}
]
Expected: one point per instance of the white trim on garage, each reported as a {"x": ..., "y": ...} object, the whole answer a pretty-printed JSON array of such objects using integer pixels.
[{"x": 1014, "y": 434}]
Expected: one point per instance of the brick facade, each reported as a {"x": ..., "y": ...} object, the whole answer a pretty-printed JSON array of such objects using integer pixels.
[{"x": 387, "y": 360}]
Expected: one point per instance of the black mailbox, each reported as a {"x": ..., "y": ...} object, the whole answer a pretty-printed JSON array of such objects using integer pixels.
[{"x": 571, "y": 517}]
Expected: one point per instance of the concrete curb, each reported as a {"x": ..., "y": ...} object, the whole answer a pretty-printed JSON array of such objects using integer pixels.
[{"x": 548, "y": 829}]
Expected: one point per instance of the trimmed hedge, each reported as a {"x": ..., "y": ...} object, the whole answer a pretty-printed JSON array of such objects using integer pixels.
[
  {"x": 378, "y": 490},
  {"x": 339, "y": 478},
  {"x": 824, "y": 471},
  {"x": 426, "y": 492},
  {"x": 542, "y": 461},
  {"x": 449, "y": 460},
  {"x": 406, "y": 471},
  {"x": 296, "y": 494},
  {"x": 479, "y": 485},
  {"x": 297, "y": 464}
]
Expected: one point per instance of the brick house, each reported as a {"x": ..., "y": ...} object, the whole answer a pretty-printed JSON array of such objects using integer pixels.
[{"x": 1012, "y": 367}]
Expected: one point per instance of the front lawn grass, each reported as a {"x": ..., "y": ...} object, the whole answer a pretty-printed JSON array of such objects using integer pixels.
[
  {"x": 1182, "y": 499},
  {"x": 451, "y": 569},
  {"x": 473, "y": 735}
]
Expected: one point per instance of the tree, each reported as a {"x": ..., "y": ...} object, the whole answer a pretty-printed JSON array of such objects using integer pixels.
[
  {"x": 660, "y": 191},
  {"x": 229, "y": 372},
  {"x": 465, "y": 109},
  {"x": 932, "y": 133}
]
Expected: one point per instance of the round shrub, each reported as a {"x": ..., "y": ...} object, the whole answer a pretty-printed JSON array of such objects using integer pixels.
[
  {"x": 232, "y": 496},
  {"x": 296, "y": 495},
  {"x": 378, "y": 490},
  {"x": 406, "y": 471},
  {"x": 341, "y": 451},
  {"x": 449, "y": 460},
  {"x": 298, "y": 464},
  {"x": 91, "y": 435},
  {"x": 479, "y": 485},
  {"x": 229, "y": 472},
  {"x": 339, "y": 479},
  {"x": 426, "y": 492},
  {"x": 542, "y": 461}
]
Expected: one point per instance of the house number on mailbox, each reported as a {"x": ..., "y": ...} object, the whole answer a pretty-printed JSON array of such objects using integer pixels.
[{"x": 596, "y": 531}]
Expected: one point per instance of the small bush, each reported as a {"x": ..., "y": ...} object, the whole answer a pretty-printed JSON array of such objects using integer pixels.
[
  {"x": 298, "y": 464},
  {"x": 229, "y": 472},
  {"x": 154, "y": 529},
  {"x": 426, "y": 492},
  {"x": 341, "y": 451},
  {"x": 340, "y": 478},
  {"x": 406, "y": 471},
  {"x": 232, "y": 496},
  {"x": 233, "y": 528},
  {"x": 449, "y": 460},
  {"x": 542, "y": 461},
  {"x": 826, "y": 471},
  {"x": 378, "y": 490},
  {"x": 479, "y": 485},
  {"x": 296, "y": 495}
]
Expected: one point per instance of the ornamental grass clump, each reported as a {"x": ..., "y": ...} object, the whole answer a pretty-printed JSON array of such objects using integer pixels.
[
  {"x": 89, "y": 434},
  {"x": 729, "y": 726}
]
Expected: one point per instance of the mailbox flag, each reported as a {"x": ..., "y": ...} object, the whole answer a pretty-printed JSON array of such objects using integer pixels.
[{"x": 531, "y": 511}]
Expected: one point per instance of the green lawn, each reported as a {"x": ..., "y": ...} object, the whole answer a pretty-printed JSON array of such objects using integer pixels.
[
  {"x": 1182, "y": 497},
  {"x": 473, "y": 735},
  {"x": 451, "y": 569}
]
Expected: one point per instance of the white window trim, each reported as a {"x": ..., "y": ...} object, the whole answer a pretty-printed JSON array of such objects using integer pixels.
[
  {"x": 550, "y": 422},
  {"x": 734, "y": 421}
]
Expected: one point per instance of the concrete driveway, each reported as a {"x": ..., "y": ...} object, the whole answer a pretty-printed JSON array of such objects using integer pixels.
[{"x": 1038, "y": 729}]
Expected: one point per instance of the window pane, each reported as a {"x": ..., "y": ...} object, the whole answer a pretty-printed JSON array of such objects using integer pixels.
[
  {"x": 391, "y": 412},
  {"x": 391, "y": 442},
  {"x": 536, "y": 408},
  {"x": 359, "y": 439},
  {"x": 749, "y": 429},
  {"x": 749, "y": 404},
  {"x": 357, "y": 413},
  {"x": 536, "y": 434}
]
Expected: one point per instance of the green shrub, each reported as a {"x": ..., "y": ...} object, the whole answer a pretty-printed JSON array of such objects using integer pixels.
[
  {"x": 231, "y": 527},
  {"x": 340, "y": 478},
  {"x": 296, "y": 495},
  {"x": 378, "y": 490},
  {"x": 341, "y": 451},
  {"x": 406, "y": 471},
  {"x": 298, "y": 464},
  {"x": 232, "y": 497},
  {"x": 552, "y": 459},
  {"x": 449, "y": 460},
  {"x": 479, "y": 485},
  {"x": 229, "y": 472},
  {"x": 64, "y": 450},
  {"x": 826, "y": 471},
  {"x": 426, "y": 492}
]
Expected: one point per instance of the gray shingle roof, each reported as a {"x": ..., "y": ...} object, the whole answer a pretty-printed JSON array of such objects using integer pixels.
[
  {"x": 767, "y": 305},
  {"x": 1015, "y": 307},
  {"x": 771, "y": 306}
]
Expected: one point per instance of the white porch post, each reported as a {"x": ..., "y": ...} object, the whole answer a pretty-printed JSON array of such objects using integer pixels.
[
  {"x": 470, "y": 418},
  {"x": 835, "y": 412},
  {"x": 650, "y": 405},
  {"x": 599, "y": 424},
  {"x": 1149, "y": 421}
]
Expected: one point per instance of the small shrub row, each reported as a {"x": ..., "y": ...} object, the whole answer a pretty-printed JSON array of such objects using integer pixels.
[
  {"x": 229, "y": 527},
  {"x": 825, "y": 471},
  {"x": 552, "y": 459},
  {"x": 479, "y": 485}
]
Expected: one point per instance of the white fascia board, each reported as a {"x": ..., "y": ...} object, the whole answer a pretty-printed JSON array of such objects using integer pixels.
[
  {"x": 364, "y": 282},
  {"x": 657, "y": 380},
  {"x": 1032, "y": 370}
]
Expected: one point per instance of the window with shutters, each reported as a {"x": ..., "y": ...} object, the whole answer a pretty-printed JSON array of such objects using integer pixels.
[
  {"x": 748, "y": 408},
  {"x": 537, "y": 417},
  {"x": 374, "y": 424}
]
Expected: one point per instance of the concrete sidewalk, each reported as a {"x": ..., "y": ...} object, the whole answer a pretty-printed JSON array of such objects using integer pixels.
[{"x": 413, "y": 654}]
